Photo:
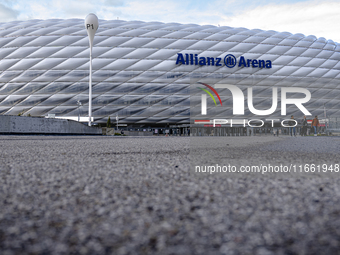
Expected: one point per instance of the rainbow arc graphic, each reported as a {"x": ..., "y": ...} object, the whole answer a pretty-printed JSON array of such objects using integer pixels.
[{"x": 204, "y": 97}]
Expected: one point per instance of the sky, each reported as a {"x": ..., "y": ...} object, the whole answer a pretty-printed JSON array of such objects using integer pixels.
[{"x": 309, "y": 17}]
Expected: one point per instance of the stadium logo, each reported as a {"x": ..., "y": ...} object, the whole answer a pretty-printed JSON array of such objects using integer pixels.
[{"x": 229, "y": 61}]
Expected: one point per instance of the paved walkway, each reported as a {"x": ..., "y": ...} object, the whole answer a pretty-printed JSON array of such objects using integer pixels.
[{"x": 133, "y": 195}]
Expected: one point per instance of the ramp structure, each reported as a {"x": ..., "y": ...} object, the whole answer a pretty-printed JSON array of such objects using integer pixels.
[{"x": 37, "y": 125}]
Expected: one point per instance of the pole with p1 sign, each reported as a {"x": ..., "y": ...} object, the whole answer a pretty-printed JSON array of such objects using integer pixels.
[{"x": 91, "y": 25}]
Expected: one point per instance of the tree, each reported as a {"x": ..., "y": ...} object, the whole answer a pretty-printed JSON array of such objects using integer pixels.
[{"x": 108, "y": 124}]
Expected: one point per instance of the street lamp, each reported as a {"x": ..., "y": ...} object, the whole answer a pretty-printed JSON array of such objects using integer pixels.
[
  {"x": 79, "y": 104},
  {"x": 117, "y": 119},
  {"x": 91, "y": 25}
]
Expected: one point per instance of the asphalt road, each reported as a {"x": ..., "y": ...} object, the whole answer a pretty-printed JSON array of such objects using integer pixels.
[{"x": 134, "y": 195}]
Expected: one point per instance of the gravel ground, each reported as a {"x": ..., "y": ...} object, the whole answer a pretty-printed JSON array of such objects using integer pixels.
[{"x": 134, "y": 195}]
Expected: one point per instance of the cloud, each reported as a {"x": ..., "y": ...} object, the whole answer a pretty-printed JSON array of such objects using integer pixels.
[
  {"x": 309, "y": 18},
  {"x": 7, "y": 14},
  {"x": 76, "y": 9},
  {"x": 306, "y": 17},
  {"x": 34, "y": 10},
  {"x": 152, "y": 10},
  {"x": 167, "y": 11},
  {"x": 56, "y": 9},
  {"x": 113, "y": 2}
]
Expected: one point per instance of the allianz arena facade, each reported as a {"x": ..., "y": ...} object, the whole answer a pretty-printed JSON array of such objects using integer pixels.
[{"x": 143, "y": 71}]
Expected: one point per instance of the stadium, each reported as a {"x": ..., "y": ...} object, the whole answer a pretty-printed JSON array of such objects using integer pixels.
[{"x": 146, "y": 73}]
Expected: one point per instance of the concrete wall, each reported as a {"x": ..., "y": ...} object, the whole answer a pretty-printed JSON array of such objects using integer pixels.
[
  {"x": 112, "y": 131},
  {"x": 138, "y": 133},
  {"x": 36, "y": 125}
]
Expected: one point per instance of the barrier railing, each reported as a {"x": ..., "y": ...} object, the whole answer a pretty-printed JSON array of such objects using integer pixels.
[{"x": 334, "y": 123}]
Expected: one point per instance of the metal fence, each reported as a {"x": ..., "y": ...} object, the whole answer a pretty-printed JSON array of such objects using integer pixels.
[{"x": 334, "y": 123}]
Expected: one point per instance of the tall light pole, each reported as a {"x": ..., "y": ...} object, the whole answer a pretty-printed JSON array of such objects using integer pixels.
[
  {"x": 79, "y": 104},
  {"x": 117, "y": 118},
  {"x": 91, "y": 25}
]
